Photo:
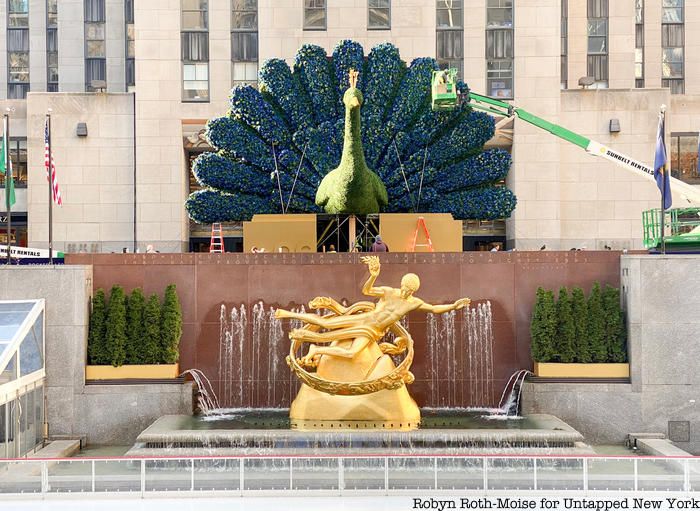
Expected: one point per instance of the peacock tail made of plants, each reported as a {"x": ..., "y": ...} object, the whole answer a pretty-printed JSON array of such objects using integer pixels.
[{"x": 275, "y": 145}]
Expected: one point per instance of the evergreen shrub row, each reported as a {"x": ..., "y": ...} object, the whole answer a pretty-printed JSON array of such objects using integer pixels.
[
  {"x": 575, "y": 329},
  {"x": 131, "y": 330}
]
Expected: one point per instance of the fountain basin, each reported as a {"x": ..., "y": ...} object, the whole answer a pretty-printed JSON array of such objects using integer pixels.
[{"x": 447, "y": 432}]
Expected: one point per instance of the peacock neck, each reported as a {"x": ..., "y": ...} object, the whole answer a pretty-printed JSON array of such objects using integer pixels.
[{"x": 353, "y": 158}]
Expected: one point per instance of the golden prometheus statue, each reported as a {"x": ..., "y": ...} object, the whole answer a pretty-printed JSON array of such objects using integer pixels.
[{"x": 356, "y": 383}]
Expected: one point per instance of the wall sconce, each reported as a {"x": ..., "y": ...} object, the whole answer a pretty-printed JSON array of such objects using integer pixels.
[
  {"x": 81, "y": 129},
  {"x": 614, "y": 125}
]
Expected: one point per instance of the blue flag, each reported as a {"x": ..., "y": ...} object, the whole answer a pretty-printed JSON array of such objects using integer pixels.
[{"x": 660, "y": 171}]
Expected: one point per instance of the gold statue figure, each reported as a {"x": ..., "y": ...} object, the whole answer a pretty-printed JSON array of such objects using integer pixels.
[{"x": 356, "y": 382}]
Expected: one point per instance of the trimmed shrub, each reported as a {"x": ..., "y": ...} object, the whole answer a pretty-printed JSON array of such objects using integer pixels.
[
  {"x": 115, "y": 330},
  {"x": 566, "y": 330},
  {"x": 543, "y": 327},
  {"x": 151, "y": 331},
  {"x": 134, "y": 327},
  {"x": 97, "y": 350},
  {"x": 596, "y": 326},
  {"x": 615, "y": 335},
  {"x": 579, "y": 310},
  {"x": 171, "y": 326}
]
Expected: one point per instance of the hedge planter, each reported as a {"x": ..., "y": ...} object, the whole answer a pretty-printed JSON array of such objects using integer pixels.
[
  {"x": 557, "y": 370},
  {"x": 133, "y": 372}
]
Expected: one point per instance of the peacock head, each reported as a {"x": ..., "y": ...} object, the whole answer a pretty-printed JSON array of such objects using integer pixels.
[{"x": 353, "y": 98}]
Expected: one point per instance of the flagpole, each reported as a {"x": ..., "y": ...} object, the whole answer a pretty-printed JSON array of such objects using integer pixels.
[
  {"x": 8, "y": 169},
  {"x": 664, "y": 177},
  {"x": 50, "y": 172}
]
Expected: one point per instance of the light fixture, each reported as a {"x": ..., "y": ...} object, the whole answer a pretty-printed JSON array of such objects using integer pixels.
[
  {"x": 81, "y": 129},
  {"x": 586, "y": 81},
  {"x": 99, "y": 85},
  {"x": 614, "y": 125}
]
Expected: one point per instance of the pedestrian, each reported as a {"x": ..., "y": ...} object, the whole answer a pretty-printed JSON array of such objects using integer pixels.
[
  {"x": 379, "y": 245},
  {"x": 150, "y": 249},
  {"x": 331, "y": 249}
]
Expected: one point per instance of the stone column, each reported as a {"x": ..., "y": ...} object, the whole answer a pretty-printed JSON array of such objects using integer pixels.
[
  {"x": 37, "y": 45},
  {"x": 652, "y": 44},
  {"x": 621, "y": 28},
  {"x": 578, "y": 42},
  {"x": 71, "y": 46},
  {"x": 475, "y": 45},
  {"x": 115, "y": 35}
]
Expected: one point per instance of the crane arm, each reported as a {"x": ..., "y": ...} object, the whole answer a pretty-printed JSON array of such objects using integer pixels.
[{"x": 497, "y": 107}]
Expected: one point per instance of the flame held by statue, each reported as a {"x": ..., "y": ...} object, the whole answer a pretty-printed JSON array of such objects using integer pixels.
[{"x": 356, "y": 383}]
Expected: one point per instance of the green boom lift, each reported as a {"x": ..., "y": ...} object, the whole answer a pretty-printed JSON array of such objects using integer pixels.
[{"x": 682, "y": 223}]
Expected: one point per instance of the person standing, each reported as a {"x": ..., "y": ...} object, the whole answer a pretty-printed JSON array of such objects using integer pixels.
[{"x": 379, "y": 245}]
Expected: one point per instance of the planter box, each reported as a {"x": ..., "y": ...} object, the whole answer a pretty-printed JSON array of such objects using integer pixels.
[
  {"x": 557, "y": 370},
  {"x": 133, "y": 372}
]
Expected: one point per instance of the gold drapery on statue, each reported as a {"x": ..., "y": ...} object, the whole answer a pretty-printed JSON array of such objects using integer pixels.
[{"x": 356, "y": 383}]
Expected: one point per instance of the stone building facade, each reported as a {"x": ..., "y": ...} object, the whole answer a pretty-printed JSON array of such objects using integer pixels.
[{"x": 180, "y": 58}]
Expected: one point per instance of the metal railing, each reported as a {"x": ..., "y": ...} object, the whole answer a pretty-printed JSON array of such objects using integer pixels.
[{"x": 347, "y": 475}]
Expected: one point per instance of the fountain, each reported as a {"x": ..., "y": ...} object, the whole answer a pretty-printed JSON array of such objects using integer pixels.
[{"x": 448, "y": 429}]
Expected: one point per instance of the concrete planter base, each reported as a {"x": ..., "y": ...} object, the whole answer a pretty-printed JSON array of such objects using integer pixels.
[
  {"x": 133, "y": 372},
  {"x": 556, "y": 370}
]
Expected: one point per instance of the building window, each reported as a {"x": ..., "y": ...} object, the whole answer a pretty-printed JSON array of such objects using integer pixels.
[
  {"x": 684, "y": 157},
  {"x": 598, "y": 42},
  {"x": 639, "y": 44},
  {"x": 18, "y": 155},
  {"x": 52, "y": 45},
  {"x": 195, "y": 50},
  {"x": 95, "y": 52},
  {"x": 244, "y": 42},
  {"x": 450, "y": 35},
  {"x": 18, "y": 14},
  {"x": 315, "y": 14},
  {"x": 673, "y": 46},
  {"x": 379, "y": 14},
  {"x": 499, "y": 48},
  {"x": 564, "y": 44},
  {"x": 17, "y": 49},
  {"x": 130, "y": 63}
]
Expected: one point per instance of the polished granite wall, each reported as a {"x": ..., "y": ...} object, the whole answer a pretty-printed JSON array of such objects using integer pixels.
[{"x": 206, "y": 281}]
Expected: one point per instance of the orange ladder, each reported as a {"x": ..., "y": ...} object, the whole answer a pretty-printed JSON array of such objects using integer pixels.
[
  {"x": 216, "y": 246},
  {"x": 429, "y": 244}
]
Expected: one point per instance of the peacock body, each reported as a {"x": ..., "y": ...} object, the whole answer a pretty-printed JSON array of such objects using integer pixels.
[{"x": 275, "y": 146}]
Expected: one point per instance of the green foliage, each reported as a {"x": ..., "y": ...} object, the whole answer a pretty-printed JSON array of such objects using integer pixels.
[
  {"x": 151, "y": 346},
  {"x": 566, "y": 330},
  {"x": 97, "y": 354},
  {"x": 133, "y": 330},
  {"x": 171, "y": 326},
  {"x": 596, "y": 325},
  {"x": 576, "y": 330},
  {"x": 115, "y": 330},
  {"x": 134, "y": 327},
  {"x": 579, "y": 310},
  {"x": 543, "y": 327},
  {"x": 352, "y": 187},
  {"x": 615, "y": 338}
]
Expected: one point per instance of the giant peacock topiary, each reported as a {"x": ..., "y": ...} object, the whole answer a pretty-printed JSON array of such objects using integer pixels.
[{"x": 275, "y": 146}]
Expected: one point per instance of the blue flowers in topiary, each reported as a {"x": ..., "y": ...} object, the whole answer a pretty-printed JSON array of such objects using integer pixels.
[{"x": 261, "y": 140}]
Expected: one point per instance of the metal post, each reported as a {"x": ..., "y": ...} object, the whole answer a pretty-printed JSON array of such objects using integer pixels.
[
  {"x": 291, "y": 475},
  {"x": 240, "y": 475},
  {"x": 664, "y": 177},
  {"x": 44, "y": 478},
  {"x": 93, "y": 475},
  {"x": 435, "y": 467},
  {"x": 8, "y": 175},
  {"x": 636, "y": 475},
  {"x": 534, "y": 472},
  {"x": 486, "y": 477},
  {"x": 341, "y": 476},
  {"x": 143, "y": 477},
  {"x": 192, "y": 474},
  {"x": 133, "y": 113},
  {"x": 50, "y": 175},
  {"x": 386, "y": 475},
  {"x": 686, "y": 475},
  {"x": 585, "y": 474}
]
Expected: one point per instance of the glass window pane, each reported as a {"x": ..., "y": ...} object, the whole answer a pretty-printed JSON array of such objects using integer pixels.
[
  {"x": 94, "y": 31},
  {"x": 672, "y": 15},
  {"x": 244, "y": 20},
  {"x": 95, "y": 48},
  {"x": 315, "y": 18},
  {"x": 449, "y": 18},
  {"x": 245, "y": 5},
  {"x": 94, "y": 10},
  {"x": 188, "y": 72},
  {"x": 201, "y": 72},
  {"x": 195, "y": 5},
  {"x": 31, "y": 356},
  {"x": 379, "y": 18},
  {"x": 194, "y": 20},
  {"x": 244, "y": 46},
  {"x": 597, "y": 45},
  {"x": 499, "y": 18},
  {"x": 19, "y": 6}
]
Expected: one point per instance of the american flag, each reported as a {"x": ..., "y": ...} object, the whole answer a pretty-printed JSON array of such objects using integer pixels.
[{"x": 54, "y": 181}]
